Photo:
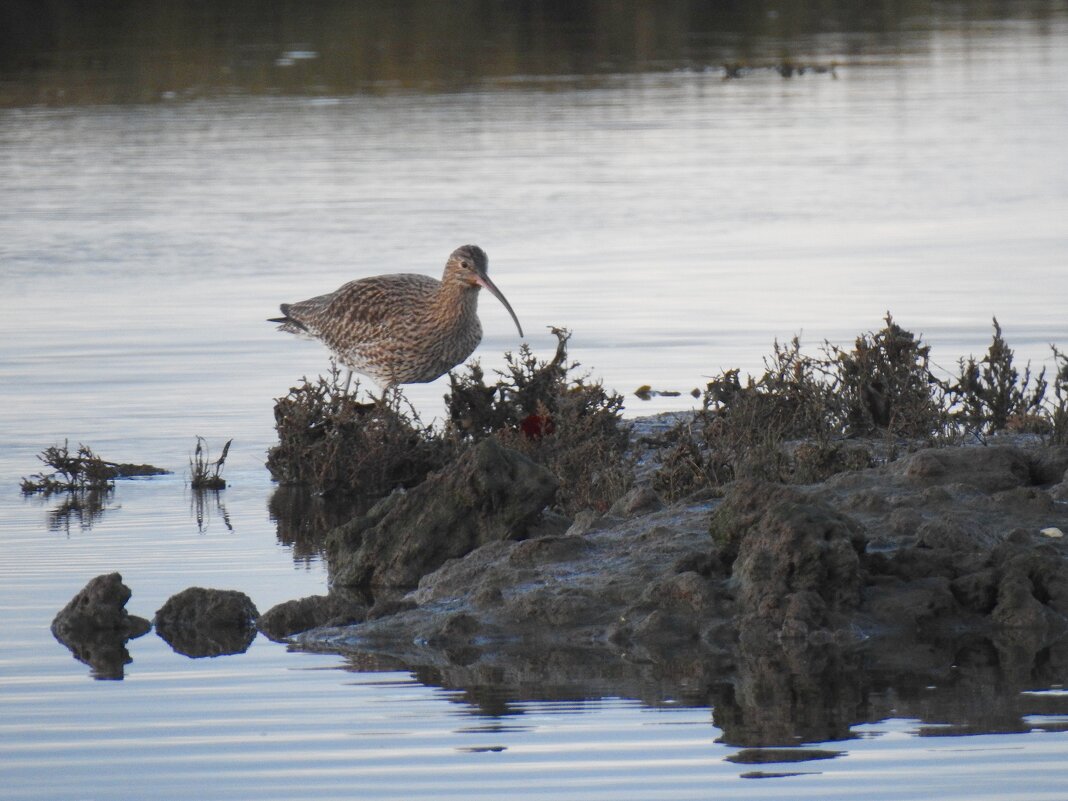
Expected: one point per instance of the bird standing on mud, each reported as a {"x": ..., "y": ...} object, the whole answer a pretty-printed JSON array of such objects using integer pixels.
[{"x": 401, "y": 328}]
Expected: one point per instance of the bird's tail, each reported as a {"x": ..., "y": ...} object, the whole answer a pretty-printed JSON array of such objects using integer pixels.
[{"x": 289, "y": 325}]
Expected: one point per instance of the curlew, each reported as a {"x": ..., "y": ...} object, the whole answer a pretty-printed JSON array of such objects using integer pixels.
[{"x": 401, "y": 328}]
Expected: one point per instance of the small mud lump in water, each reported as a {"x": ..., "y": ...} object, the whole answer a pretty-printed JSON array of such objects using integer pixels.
[
  {"x": 204, "y": 622},
  {"x": 95, "y": 626}
]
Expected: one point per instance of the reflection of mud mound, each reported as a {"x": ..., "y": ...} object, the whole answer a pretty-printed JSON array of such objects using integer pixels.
[
  {"x": 779, "y": 697},
  {"x": 200, "y": 622},
  {"x": 786, "y": 695},
  {"x": 304, "y": 518},
  {"x": 95, "y": 626}
]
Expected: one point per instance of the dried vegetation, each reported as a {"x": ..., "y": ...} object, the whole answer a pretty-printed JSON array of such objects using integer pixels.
[
  {"x": 335, "y": 445},
  {"x": 80, "y": 471},
  {"x": 205, "y": 473},
  {"x": 548, "y": 411},
  {"x": 808, "y": 417},
  {"x": 555, "y": 415}
]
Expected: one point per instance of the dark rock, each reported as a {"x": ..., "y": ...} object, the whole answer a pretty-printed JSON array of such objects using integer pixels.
[
  {"x": 784, "y": 605},
  {"x": 1049, "y": 466},
  {"x": 95, "y": 626},
  {"x": 99, "y": 606},
  {"x": 492, "y": 493},
  {"x": 955, "y": 533},
  {"x": 989, "y": 469},
  {"x": 200, "y": 622},
  {"x": 1017, "y": 606},
  {"x": 908, "y": 605},
  {"x": 292, "y": 617},
  {"x": 977, "y": 591},
  {"x": 1033, "y": 586}
]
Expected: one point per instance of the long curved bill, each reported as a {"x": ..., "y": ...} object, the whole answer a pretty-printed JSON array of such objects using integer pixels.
[{"x": 484, "y": 280}]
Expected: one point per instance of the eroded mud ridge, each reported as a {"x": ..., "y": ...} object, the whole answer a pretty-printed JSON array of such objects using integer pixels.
[{"x": 945, "y": 558}]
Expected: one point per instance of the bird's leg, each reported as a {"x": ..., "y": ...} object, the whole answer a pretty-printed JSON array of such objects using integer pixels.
[{"x": 348, "y": 380}]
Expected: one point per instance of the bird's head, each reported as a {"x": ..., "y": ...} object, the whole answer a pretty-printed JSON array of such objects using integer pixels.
[{"x": 469, "y": 265}]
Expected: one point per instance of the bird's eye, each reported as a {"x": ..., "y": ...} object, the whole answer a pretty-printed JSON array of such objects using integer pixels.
[{"x": 465, "y": 264}]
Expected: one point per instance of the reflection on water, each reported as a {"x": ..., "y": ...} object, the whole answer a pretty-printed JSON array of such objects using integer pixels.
[
  {"x": 105, "y": 651},
  {"x": 82, "y": 508},
  {"x": 774, "y": 696},
  {"x": 304, "y": 518},
  {"x": 207, "y": 504},
  {"x": 144, "y": 52}
]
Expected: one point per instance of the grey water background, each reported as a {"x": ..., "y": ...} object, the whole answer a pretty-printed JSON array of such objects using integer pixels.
[{"x": 169, "y": 174}]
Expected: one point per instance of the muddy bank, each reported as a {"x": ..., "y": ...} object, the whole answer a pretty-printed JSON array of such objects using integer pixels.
[{"x": 944, "y": 561}]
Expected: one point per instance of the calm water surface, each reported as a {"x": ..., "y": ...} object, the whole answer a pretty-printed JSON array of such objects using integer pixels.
[{"x": 677, "y": 222}]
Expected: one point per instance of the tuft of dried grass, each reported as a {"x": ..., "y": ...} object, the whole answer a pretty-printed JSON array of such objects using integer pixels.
[
  {"x": 990, "y": 395},
  {"x": 204, "y": 472},
  {"x": 885, "y": 385}
]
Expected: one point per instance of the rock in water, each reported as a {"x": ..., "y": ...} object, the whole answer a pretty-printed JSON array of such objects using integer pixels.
[
  {"x": 292, "y": 617},
  {"x": 201, "y": 622},
  {"x": 492, "y": 493},
  {"x": 95, "y": 626}
]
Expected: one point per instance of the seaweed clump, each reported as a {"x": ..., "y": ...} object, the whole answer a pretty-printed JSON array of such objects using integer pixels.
[
  {"x": 337, "y": 446},
  {"x": 885, "y": 385},
  {"x": 555, "y": 416},
  {"x": 80, "y": 471}
]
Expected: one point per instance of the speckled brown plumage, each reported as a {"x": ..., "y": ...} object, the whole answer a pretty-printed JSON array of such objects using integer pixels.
[{"x": 402, "y": 328}]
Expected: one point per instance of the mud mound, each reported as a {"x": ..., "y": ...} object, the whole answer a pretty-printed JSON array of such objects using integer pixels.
[{"x": 491, "y": 493}]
